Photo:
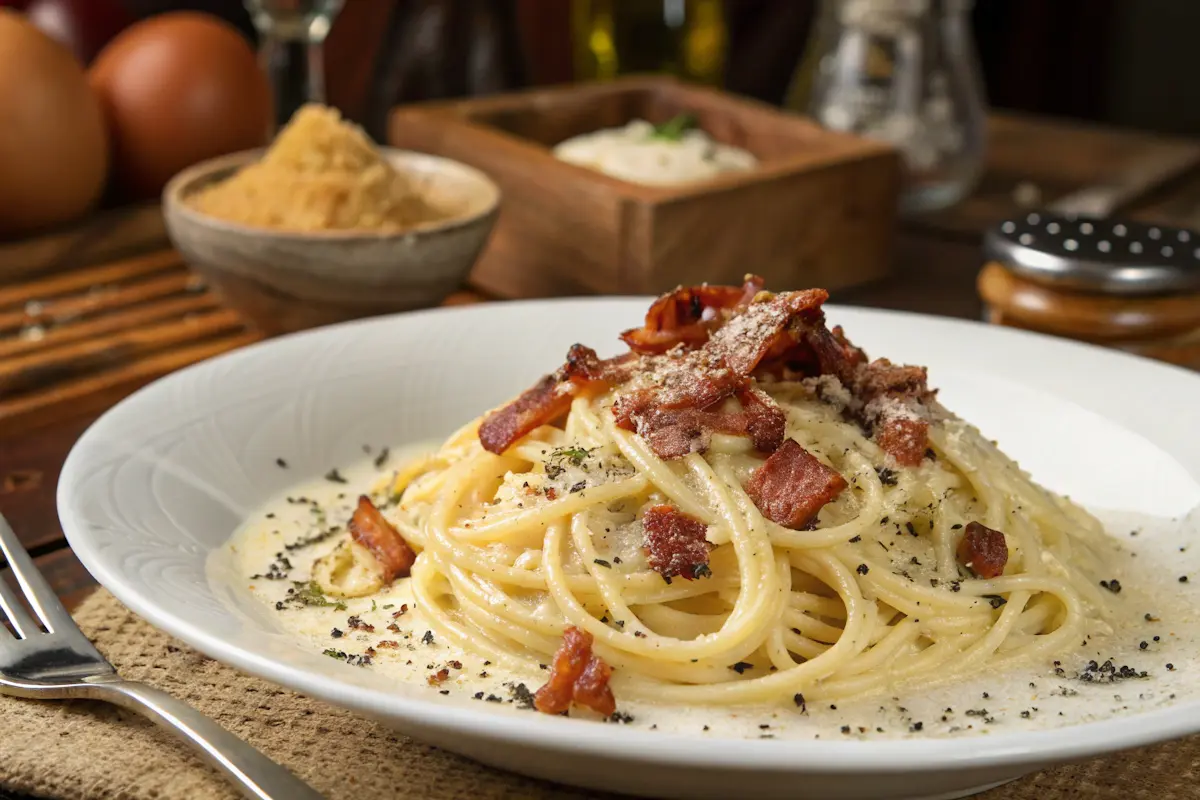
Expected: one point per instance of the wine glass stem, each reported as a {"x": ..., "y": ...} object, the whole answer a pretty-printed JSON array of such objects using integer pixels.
[
  {"x": 316, "y": 71},
  {"x": 297, "y": 71}
]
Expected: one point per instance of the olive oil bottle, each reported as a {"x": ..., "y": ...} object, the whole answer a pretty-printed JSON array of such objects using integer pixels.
[{"x": 686, "y": 38}]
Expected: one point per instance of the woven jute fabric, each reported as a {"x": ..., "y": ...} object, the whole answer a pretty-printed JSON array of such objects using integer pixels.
[{"x": 90, "y": 751}]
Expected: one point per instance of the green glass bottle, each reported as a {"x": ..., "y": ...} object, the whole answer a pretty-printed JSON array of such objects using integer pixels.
[{"x": 686, "y": 38}]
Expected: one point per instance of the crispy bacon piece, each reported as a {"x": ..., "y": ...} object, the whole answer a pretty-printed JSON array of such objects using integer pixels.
[
  {"x": 576, "y": 675},
  {"x": 763, "y": 419},
  {"x": 671, "y": 417},
  {"x": 792, "y": 486},
  {"x": 882, "y": 378},
  {"x": 888, "y": 397},
  {"x": 369, "y": 528},
  {"x": 906, "y": 439},
  {"x": 855, "y": 355},
  {"x": 583, "y": 366},
  {"x": 629, "y": 408},
  {"x": 768, "y": 328},
  {"x": 893, "y": 396},
  {"x": 688, "y": 315},
  {"x": 551, "y": 397},
  {"x": 694, "y": 380},
  {"x": 832, "y": 355},
  {"x": 983, "y": 550},
  {"x": 673, "y": 433},
  {"x": 548, "y": 400},
  {"x": 592, "y": 689},
  {"x": 675, "y": 543},
  {"x": 677, "y": 416}
]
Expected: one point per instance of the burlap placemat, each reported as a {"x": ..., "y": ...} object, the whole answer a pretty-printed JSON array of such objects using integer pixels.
[{"x": 91, "y": 751}]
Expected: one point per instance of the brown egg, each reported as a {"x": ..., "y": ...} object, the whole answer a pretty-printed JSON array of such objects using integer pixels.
[
  {"x": 179, "y": 88},
  {"x": 53, "y": 149}
]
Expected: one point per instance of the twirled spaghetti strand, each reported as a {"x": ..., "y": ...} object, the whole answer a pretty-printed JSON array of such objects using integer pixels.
[{"x": 870, "y": 599}]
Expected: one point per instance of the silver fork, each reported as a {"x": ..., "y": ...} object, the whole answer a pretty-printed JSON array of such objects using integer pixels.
[{"x": 59, "y": 663}]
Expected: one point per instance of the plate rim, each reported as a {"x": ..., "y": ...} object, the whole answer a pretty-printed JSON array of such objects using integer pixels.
[{"x": 1016, "y": 749}]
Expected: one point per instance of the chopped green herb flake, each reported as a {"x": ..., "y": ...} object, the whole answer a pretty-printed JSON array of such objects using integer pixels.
[
  {"x": 673, "y": 129},
  {"x": 308, "y": 593},
  {"x": 575, "y": 455}
]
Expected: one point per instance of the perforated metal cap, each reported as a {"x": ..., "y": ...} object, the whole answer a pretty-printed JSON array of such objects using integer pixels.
[{"x": 1098, "y": 255}]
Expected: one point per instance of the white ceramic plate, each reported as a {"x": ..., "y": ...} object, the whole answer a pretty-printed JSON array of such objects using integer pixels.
[{"x": 166, "y": 476}]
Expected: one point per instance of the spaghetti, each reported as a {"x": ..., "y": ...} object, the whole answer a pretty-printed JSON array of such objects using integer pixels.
[{"x": 744, "y": 509}]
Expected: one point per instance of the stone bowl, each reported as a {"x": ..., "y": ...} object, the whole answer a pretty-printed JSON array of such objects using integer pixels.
[{"x": 283, "y": 281}]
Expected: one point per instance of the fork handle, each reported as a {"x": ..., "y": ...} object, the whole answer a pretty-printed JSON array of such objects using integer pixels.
[{"x": 257, "y": 776}]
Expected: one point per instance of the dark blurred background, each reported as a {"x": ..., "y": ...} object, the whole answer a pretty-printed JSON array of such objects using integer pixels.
[{"x": 1125, "y": 62}]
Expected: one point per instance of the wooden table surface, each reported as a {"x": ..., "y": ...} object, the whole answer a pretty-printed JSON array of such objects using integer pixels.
[{"x": 936, "y": 260}]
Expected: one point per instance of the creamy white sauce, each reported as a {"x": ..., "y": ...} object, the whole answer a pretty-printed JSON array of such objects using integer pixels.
[
  {"x": 633, "y": 154},
  {"x": 1152, "y": 602}
]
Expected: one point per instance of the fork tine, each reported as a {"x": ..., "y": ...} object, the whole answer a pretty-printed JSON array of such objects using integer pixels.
[
  {"x": 38, "y": 594},
  {"x": 11, "y": 607}
]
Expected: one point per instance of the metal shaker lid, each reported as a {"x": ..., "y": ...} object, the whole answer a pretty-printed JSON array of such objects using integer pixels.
[{"x": 1098, "y": 255}]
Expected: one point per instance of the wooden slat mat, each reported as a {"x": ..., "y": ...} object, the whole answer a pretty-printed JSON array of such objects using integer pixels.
[{"x": 79, "y": 341}]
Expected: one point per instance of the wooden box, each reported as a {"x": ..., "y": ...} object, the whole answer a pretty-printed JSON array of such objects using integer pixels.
[{"x": 819, "y": 210}]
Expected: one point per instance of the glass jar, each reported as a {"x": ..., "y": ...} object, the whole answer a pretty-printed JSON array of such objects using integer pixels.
[{"x": 906, "y": 72}]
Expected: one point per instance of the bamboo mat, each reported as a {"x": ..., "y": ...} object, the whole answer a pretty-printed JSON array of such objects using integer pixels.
[{"x": 78, "y": 341}]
